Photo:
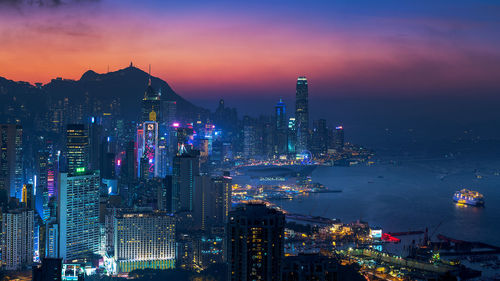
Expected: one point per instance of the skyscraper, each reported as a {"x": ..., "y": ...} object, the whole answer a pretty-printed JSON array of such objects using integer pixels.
[
  {"x": 302, "y": 114},
  {"x": 11, "y": 152},
  {"x": 291, "y": 136},
  {"x": 319, "y": 144},
  {"x": 150, "y": 147},
  {"x": 17, "y": 238},
  {"x": 280, "y": 128},
  {"x": 223, "y": 193},
  {"x": 78, "y": 214},
  {"x": 150, "y": 102},
  {"x": 77, "y": 147},
  {"x": 186, "y": 167},
  {"x": 255, "y": 243},
  {"x": 339, "y": 138},
  {"x": 144, "y": 240}
]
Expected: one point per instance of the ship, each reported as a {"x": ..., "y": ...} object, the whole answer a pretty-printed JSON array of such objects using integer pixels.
[{"x": 468, "y": 197}]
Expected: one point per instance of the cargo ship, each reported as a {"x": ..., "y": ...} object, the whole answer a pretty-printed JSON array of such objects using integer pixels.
[{"x": 468, "y": 197}]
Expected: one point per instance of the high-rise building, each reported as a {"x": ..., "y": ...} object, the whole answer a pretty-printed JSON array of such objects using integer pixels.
[
  {"x": 255, "y": 243},
  {"x": 186, "y": 168},
  {"x": 28, "y": 196},
  {"x": 144, "y": 240},
  {"x": 11, "y": 165},
  {"x": 96, "y": 136},
  {"x": 17, "y": 238},
  {"x": 150, "y": 103},
  {"x": 150, "y": 148},
  {"x": 249, "y": 137},
  {"x": 338, "y": 138},
  {"x": 291, "y": 136},
  {"x": 280, "y": 128},
  {"x": 77, "y": 147},
  {"x": 223, "y": 193},
  {"x": 302, "y": 114},
  {"x": 319, "y": 144},
  {"x": 78, "y": 214}
]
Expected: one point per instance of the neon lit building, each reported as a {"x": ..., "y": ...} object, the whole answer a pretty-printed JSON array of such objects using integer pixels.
[{"x": 150, "y": 147}]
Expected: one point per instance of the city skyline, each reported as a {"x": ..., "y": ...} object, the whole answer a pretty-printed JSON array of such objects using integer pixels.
[
  {"x": 260, "y": 140},
  {"x": 387, "y": 49}
]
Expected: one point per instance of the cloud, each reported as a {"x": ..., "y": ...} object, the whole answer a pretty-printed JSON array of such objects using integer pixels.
[{"x": 44, "y": 3}]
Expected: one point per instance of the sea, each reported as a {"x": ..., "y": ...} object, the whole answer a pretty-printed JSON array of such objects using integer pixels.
[{"x": 409, "y": 194}]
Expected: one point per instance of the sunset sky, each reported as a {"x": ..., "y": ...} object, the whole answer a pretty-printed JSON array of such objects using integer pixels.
[{"x": 345, "y": 48}]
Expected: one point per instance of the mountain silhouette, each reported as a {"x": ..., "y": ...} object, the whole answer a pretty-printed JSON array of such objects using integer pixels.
[{"x": 128, "y": 85}]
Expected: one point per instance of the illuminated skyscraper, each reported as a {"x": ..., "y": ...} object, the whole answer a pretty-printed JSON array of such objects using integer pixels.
[
  {"x": 77, "y": 147},
  {"x": 255, "y": 243},
  {"x": 150, "y": 148},
  {"x": 291, "y": 136},
  {"x": 339, "y": 138},
  {"x": 11, "y": 153},
  {"x": 150, "y": 102},
  {"x": 78, "y": 214},
  {"x": 302, "y": 114},
  {"x": 144, "y": 240},
  {"x": 280, "y": 128},
  {"x": 28, "y": 196}
]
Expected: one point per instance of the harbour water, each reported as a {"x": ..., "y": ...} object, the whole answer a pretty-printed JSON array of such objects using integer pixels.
[{"x": 410, "y": 195}]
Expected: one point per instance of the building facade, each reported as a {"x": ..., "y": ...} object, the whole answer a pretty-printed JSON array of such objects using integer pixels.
[
  {"x": 78, "y": 215},
  {"x": 255, "y": 243},
  {"x": 17, "y": 238},
  {"x": 144, "y": 240},
  {"x": 11, "y": 153},
  {"x": 302, "y": 114}
]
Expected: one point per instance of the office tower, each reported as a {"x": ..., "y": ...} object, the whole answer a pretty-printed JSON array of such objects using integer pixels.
[
  {"x": 17, "y": 238},
  {"x": 42, "y": 168},
  {"x": 280, "y": 128},
  {"x": 78, "y": 214},
  {"x": 292, "y": 136},
  {"x": 169, "y": 112},
  {"x": 255, "y": 243},
  {"x": 339, "y": 138},
  {"x": 108, "y": 166},
  {"x": 150, "y": 148},
  {"x": 150, "y": 103},
  {"x": 319, "y": 143},
  {"x": 96, "y": 136},
  {"x": 223, "y": 192},
  {"x": 186, "y": 167},
  {"x": 28, "y": 196},
  {"x": 129, "y": 164},
  {"x": 144, "y": 240},
  {"x": 49, "y": 270},
  {"x": 249, "y": 137},
  {"x": 203, "y": 203},
  {"x": 164, "y": 197},
  {"x": 77, "y": 147},
  {"x": 302, "y": 114},
  {"x": 11, "y": 165}
]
